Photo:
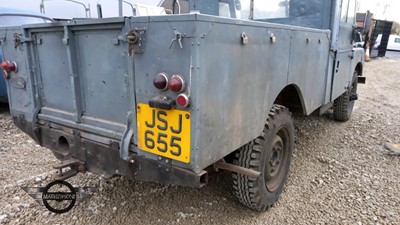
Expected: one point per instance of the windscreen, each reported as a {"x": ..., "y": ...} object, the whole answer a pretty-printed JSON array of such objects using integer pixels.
[{"x": 308, "y": 13}]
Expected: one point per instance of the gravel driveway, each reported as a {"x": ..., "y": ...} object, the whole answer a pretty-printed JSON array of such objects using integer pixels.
[{"x": 341, "y": 174}]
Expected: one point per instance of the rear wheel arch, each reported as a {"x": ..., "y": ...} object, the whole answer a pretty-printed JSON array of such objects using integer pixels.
[{"x": 292, "y": 98}]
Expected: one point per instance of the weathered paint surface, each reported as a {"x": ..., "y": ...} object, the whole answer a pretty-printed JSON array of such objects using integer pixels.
[{"x": 81, "y": 75}]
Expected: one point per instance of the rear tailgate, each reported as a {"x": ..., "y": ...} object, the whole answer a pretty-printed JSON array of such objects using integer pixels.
[
  {"x": 86, "y": 81},
  {"x": 69, "y": 78},
  {"x": 77, "y": 87}
]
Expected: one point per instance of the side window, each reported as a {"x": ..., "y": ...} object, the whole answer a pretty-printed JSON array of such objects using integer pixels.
[
  {"x": 345, "y": 7},
  {"x": 271, "y": 9},
  {"x": 229, "y": 8},
  {"x": 224, "y": 10},
  {"x": 397, "y": 40},
  {"x": 348, "y": 11},
  {"x": 351, "y": 13},
  {"x": 304, "y": 13}
]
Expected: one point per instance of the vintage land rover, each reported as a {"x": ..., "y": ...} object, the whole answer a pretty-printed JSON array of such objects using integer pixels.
[{"x": 205, "y": 86}]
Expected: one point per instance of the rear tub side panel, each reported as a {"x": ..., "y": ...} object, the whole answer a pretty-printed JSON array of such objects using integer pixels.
[
  {"x": 232, "y": 85},
  {"x": 309, "y": 57},
  {"x": 236, "y": 84}
]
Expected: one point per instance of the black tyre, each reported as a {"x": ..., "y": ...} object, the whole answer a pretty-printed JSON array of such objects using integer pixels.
[
  {"x": 269, "y": 154},
  {"x": 343, "y": 106}
]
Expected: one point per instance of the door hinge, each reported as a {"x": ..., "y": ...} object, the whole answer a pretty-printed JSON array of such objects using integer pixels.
[{"x": 19, "y": 39}]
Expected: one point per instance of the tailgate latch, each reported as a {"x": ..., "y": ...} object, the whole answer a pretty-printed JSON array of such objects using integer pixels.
[{"x": 136, "y": 39}]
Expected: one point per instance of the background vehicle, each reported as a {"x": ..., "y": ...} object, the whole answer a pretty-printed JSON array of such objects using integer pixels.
[
  {"x": 15, "y": 17},
  {"x": 170, "y": 98},
  {"x": 393, "y": 42},
  {"x": 379, "y": 37}
]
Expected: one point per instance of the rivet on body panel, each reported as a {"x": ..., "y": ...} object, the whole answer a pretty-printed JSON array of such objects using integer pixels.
[
  {"x": 244, "y": 38},
  {"x": 272, "y": 37}
]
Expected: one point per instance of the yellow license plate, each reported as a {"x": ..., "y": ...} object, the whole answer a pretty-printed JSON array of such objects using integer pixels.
[{"x": 164, "y": 132}]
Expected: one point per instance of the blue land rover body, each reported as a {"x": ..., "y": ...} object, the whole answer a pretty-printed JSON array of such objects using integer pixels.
[
  {"x": 175, "y": 98},
  {"x": 16, "y": 17}
]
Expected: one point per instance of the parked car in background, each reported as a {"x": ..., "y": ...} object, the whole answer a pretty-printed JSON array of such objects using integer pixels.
[
  {"x": 392, "y": 45},
  {"x": 16, "y": 17}
]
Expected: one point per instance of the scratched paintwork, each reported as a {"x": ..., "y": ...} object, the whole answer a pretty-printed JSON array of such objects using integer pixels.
[{"x": 81, "y": 75}]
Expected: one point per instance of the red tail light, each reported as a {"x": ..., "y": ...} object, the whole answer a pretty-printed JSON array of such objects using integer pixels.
[
  {"x": 4, "y": 65},
  {"x": 9, "y": 66},
  {"x": 161, "y": 81},
  {"x": 177, "y": 84},
  {"x": 183, "y": 100}
]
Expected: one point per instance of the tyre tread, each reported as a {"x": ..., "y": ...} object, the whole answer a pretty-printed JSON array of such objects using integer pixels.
[{"x": 246, "y": 188}]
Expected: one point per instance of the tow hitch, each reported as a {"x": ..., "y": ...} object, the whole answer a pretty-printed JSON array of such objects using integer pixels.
[{"x": 75, "y": 166}]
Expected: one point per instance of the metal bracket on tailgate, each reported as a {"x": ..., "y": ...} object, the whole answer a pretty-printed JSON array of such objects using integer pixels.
[
  {"x": 17, "y": 40},
  {"x": 127, "y": 137},
  {"x": 177, "y": 38}
]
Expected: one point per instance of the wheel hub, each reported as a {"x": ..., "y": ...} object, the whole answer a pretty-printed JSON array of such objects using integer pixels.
[
  {"x": 275, "y": 160},
  {"x": 275, "y": 163}
]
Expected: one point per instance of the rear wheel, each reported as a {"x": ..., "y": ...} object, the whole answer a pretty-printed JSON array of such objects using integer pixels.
[
  {"x": 343, "y": 106},
  {"x": 269, "y": 154}
]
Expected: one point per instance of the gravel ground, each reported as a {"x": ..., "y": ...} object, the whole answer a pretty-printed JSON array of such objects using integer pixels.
[{"x": 341, "y": 174}]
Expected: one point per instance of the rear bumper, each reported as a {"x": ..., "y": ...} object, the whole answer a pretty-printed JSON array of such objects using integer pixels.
[{"x": 104, "y": 159}]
